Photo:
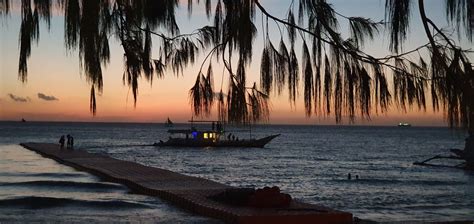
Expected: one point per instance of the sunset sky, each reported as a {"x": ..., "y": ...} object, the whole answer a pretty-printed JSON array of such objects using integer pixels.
[{"x": 57, "y": 91}]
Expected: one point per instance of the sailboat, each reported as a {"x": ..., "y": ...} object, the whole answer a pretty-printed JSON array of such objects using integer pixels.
[{"x": 168, "y": 123}]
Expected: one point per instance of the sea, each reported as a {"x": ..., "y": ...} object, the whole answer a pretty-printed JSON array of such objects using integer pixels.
[{"x": 311, "y": 163}]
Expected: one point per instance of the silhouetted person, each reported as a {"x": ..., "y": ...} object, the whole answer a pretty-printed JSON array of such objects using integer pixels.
[
  {"x": 233, "y": 137},
  {"x": 72, "y": 142},
  {"x": 349, "y": 176},
  {"x": 61, "y": 141},
  {"x": 68, "y": 144},
  {"x": 357, "y": 177},
  {"x": 228, "y": 136}
]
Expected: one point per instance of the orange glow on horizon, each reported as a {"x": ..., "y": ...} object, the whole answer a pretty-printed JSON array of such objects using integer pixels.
[{"x": 55, "y": 72}]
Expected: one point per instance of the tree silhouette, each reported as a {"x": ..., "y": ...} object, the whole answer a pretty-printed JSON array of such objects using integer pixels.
[{"x": 338, "y": 77}]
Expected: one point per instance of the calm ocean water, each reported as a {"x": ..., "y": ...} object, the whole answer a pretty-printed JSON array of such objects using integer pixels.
[{"x": 309, "y": 162}]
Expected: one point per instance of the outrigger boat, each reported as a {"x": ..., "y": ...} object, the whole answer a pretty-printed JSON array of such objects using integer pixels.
[{"x": 216, "y": 137}]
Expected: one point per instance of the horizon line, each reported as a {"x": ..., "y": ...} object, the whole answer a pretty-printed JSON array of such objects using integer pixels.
[{"x": 257, "y": 124}]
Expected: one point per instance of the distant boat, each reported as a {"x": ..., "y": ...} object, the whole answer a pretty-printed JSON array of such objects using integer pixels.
[
  {"x": 23, "y": 120},
  {"x": 405, "y": 125},
  {"x": 169, "y": 123}
]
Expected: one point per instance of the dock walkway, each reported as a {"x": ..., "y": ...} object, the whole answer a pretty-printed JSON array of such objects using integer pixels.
[{"x": 188, "y": 192}]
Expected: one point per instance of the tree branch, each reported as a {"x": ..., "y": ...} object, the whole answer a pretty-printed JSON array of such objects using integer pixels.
[
  {"x": 364, "y": 58},
  {"x": 424, "y": 20}
]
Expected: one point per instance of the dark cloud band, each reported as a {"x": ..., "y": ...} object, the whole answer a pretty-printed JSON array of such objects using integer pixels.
[
  {"x": 46, "y": 97},
  {"x": 18, "y": 98}
]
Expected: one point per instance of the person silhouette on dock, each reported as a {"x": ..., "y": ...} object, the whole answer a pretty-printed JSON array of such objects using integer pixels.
[
  {"x": 61, "y": 141},
  {"x": 349, "y": 176},
  {"x": 68, "y": 142},
  {"x": 72, "y": 142}
]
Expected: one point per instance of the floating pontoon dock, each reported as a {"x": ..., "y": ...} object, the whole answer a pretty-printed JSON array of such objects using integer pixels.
[{"x": 188, "y": 192}]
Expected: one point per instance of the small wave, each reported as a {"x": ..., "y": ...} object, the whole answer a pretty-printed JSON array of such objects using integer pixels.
[
  {"x": 447, "y": 205},
  {"x": 310, "y": 158},
  {"x": 436, "y": 182},
  {"x": 377, "y": 181},
  {"x": 319, "y": 159},
  {"x": 51, "y": 175},
  {"x": 33, "y": 202},
  {"x": 70, "y": 184}
]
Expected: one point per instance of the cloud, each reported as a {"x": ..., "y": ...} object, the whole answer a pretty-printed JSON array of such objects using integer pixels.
[
  {"x": 18, "y": 98},
  {"x": 47, "y": 98}
]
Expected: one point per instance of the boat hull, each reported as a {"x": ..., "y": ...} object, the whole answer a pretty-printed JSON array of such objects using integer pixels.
[{"x": 253, "y": 143}]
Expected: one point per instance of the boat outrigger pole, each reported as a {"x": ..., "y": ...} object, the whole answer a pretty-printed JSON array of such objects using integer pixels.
[
  {"x": 466, "y": 154},
  {"x": 426, "y": 162}
]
